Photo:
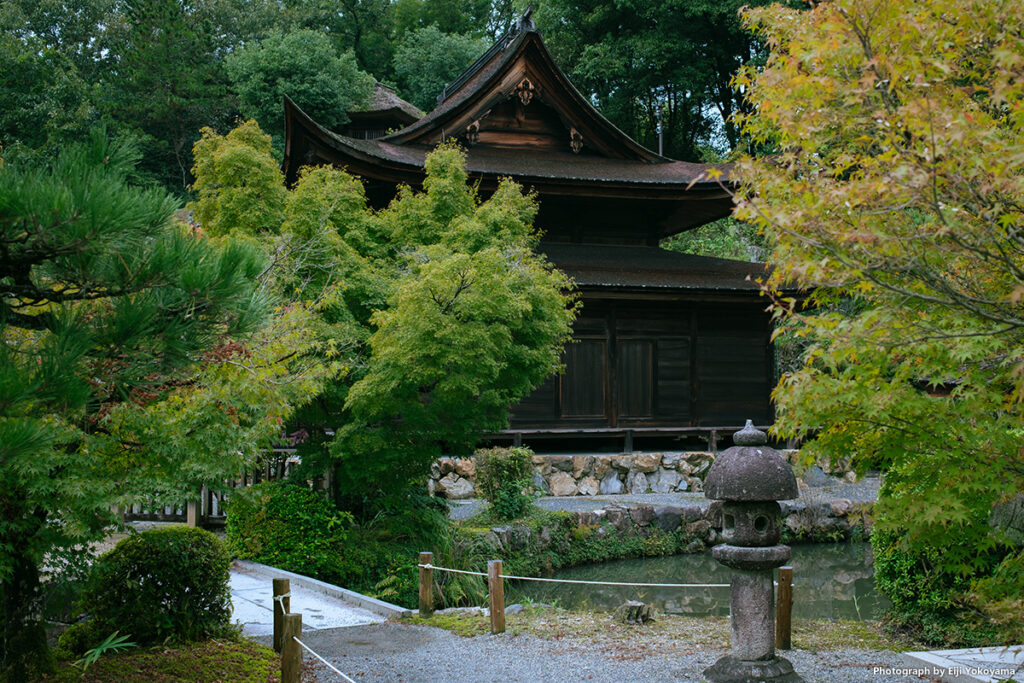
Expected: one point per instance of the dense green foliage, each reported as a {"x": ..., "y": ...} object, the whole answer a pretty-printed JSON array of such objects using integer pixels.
[
  {"x": 103, "y": 304},
  {"x": 158, "y": 584},
  {"x": 894, "y": 202},
  {"x": 157, "y": 71},
  {"x": 438, "y": 304},
  {"x": 304, "y": 66},
  {"x": 286, "y": 526},
  {"x": 676, "y": 57},
  {"x": 502, "y": 475},
  {"x": 724, "y": 238},
  {"x": 427, "y": 58}
]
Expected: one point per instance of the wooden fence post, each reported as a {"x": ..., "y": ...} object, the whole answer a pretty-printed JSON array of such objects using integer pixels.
[
  {"x": 282, "y": 587},
  {"x": 426, "y": 585},
  {"x": 192, "y": 513},
  {"x": 496, "y": 588},
  {"x": 291, "y": 652},
  {"x": 784, "y": 610}
]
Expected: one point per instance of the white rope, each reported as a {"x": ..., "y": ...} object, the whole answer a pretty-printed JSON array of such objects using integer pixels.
[
  {"x": 592, "y": 583},
  {"x": 329, "y": 665},
  {"x": 620, "y": 583},
  {"x": 279, "y": 599},
  {"x": 453, "y": 571}
]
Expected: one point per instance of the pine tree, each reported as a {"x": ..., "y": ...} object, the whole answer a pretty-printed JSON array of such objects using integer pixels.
[{"x": 103, "y": 301}]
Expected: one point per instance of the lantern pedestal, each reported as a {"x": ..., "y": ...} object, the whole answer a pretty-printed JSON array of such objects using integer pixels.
[
  {"x": 729, "y": 669},
  {"x": 750, "y": 478}
]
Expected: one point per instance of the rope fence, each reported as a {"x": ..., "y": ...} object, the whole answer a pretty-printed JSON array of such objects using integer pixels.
[
  {"x": 287, "y": 629},
  {"x": 329, "y": 665},
  {"x": 496, "y": 591},
  {"x": 581, "y": 581}
]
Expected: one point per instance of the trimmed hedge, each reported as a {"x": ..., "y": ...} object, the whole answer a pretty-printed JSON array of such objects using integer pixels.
[
  {"x": 287, "y": 526},
  {"x": 163, "y": 583}
]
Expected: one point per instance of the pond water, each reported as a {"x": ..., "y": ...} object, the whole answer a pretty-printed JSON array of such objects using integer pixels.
[{"x": 830, "y": 581}]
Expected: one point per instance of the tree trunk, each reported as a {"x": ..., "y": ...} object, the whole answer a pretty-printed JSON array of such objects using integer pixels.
[{"x": 24, "y": 652}]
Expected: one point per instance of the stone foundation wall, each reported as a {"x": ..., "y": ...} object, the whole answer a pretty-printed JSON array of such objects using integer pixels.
[
  {"x": 589, "y": 475},
  {"x": 816, "y": 521}
]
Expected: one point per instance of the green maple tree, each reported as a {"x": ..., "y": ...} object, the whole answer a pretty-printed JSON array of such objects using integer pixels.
[{"x": 896, "y": 199}]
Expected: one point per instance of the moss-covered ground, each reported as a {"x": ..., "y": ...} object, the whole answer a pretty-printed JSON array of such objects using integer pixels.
[{"x": 224, "y": 661}]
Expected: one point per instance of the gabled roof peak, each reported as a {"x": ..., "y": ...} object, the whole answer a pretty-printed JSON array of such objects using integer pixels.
[
  {"x": 554, "y": 117},
  {"x": 524, "y": 24}
]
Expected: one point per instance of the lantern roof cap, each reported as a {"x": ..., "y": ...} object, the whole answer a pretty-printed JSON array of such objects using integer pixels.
[{"x": 750, "y": 471}]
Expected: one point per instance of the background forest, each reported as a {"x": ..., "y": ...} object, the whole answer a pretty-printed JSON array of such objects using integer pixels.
[{"x": 158, "y": 71}]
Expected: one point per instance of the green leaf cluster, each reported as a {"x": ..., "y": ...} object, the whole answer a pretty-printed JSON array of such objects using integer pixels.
[
  {"x": 427, "y": 58},
  {"x": 501, "y": 476},
  {"x": 304, "y": 66},
  {"x": 438, "y": 305},
  {"x": 287, "y": 526}
]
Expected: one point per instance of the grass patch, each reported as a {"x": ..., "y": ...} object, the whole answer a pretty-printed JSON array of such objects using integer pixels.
[
  {"x": 668, "y": 633},
  {"x": 535, "y": 516},
  {"x": 225, "y": 661}
]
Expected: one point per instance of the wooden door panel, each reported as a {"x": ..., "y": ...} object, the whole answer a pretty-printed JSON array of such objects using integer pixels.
[
  {"x": 583, "y": 386},
  {"x": 634, "y": 373}
]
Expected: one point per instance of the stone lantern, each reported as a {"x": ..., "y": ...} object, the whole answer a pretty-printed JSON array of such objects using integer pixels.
[{"x": 749, "y": 478}]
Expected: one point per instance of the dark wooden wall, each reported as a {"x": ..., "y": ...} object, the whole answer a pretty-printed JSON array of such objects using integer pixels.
[{"x": 659, "y": 363}]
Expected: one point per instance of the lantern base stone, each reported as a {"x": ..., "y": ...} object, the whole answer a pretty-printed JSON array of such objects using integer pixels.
[{"x": 729, "y": 669}]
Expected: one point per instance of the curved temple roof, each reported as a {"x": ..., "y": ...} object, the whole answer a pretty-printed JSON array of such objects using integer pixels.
[{"x": 518, "y": 115}]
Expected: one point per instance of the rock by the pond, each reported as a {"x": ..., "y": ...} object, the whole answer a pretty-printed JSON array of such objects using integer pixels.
[
  {"x": 815, "y": 477},
  {"x": 841, "y": 507},
  {"x": 514, "y": 608},
  {"x": 611, "y": 484},
  {"x": 562, "y": 463},
  {"x": 637, "y": 483},
  {"x": 634, "y": 612},
  {"x": 671, "y": 460},
  {"x": 541, "y": 464},
  {"x": 455, "y": 487},
  {"x": 562, "y": 484},
  {"x": 668, "y": 517},
  {"x": 589, "y": 486},
  {"x": 540, "y": 483}
]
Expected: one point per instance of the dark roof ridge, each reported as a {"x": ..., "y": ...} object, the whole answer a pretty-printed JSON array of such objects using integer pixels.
[{"x": 504, "y": 42}]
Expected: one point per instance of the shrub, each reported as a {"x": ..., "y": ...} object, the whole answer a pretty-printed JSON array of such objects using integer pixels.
[
  {"x": 926, "y": 601},
  {"x": 170, "y": 582},
  {"x": 501, "y": 476},
  {"x": 287, "y": 526}
]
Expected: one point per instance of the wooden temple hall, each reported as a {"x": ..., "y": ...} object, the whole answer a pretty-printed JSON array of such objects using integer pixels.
[{"x": 668, "y": 345}]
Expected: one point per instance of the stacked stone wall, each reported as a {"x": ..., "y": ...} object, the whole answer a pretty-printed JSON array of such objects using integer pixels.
[{"x": 632, "y": 473}]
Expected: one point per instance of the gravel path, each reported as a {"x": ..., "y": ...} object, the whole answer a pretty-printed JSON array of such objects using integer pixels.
[
  {"x": 865, "y": 490},
  {"x": 400, "y": 652}
]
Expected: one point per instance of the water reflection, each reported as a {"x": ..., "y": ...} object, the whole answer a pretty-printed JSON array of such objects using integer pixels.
[{"x": 830, "y": 582}]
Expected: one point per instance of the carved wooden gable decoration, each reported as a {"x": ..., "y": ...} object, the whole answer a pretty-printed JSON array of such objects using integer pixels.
[{"x": 515, "y": 98}]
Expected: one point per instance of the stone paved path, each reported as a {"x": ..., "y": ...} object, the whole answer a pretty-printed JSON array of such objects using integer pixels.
[{"x": 251, "y": 598}]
